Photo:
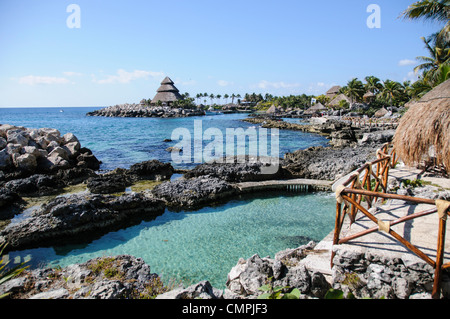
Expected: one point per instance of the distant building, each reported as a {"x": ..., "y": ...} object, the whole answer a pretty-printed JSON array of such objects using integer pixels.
[
  {"x": 331, "y": 93},
  {"x": 167, "y": 93}
]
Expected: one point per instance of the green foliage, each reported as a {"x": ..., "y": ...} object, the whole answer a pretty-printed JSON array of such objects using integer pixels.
[
  {"x": 338, "y": 294},
  {"x": 108, "y": 266},
  {"x": 412, "y": 183},
  {"x": 8, "y": 274},
  {"x": 153, "y": 288},
  {"x": 278, "y": 292}
]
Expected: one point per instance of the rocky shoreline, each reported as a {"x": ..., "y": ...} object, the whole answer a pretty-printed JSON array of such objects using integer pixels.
[
  {"x": 105, "y": 205},
  {"x": 138, "y": 110},
  {"x": 128, "y": 277},
  {"x": 340, "y": 133}
]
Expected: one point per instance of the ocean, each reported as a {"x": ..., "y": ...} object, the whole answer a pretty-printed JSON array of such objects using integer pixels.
[
  {"x": 122, "y": 142},
  {"x": 182, "y": 246}
]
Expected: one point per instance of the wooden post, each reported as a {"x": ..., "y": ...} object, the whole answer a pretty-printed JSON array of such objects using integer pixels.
[
  {"x": 439, "y": 259},
  {"x": 337, "y": 230}
]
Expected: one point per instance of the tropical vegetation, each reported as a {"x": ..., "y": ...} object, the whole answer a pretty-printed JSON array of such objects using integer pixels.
[{"x": 434, "y": 68}]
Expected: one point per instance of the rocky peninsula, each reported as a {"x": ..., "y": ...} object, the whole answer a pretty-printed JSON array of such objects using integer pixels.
[{"x": 139, "y": 110}]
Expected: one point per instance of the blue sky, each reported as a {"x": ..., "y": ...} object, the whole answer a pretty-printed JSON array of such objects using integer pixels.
[{"x": 123, "y": 49}]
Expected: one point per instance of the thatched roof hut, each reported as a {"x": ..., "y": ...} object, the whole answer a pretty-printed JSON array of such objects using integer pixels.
[
  {"x": 424, "y": 130},
  {"x": 369, "y": 97},
  {"x": 339, "y": 98},
  {"x": 272, "y": 110},
  {"x": 316, "y": 108},
  {"x": 331, "y": 93},
  {"x": 167, "y": 92},
  {"x": 381, "y": 112}
]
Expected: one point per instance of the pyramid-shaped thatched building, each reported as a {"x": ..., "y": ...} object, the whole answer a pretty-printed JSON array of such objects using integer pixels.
[{"x": 167, "y": 93}]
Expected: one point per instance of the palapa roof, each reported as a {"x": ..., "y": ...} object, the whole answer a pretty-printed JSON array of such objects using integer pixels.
[
  {"x": 337, "y": 99},
  {"x": 167, "y": 92},
  {"x": 381, "y": 112},
  {"x": 272, "y": 109},
  {"x": 334, "y": 90},
  {"x": 318, "y": 107},
  {"x": 369, "y": 94},
  {"x": 424, "y": 130}
]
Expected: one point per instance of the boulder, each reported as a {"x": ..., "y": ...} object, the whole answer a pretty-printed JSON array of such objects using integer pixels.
[
  {"x": 379, "y": 137},
  {"x": 108, "y": 184},
  {"x": 193, "y": 193},
  {"x": 151, "y": 170},
  {"x": 26, "y": 162},
  {"x": 69, "y": 138},
  {"x": 286, "y": 270},
  {"x": 201, "y": 290},
  {"x": 3, "y": 143},
  {"x": 5, "y": 159},
  {"x": 17, "y": 136},
  {"x": 72, "y": 149}
]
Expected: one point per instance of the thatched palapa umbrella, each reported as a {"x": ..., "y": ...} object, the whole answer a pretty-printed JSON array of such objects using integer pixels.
[
  {"x": 167, "y": 92},
  {"x": 424, "y": 130}
]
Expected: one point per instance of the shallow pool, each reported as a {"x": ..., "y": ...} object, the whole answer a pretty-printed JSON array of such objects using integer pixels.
[{"x": 191, "y": 246}]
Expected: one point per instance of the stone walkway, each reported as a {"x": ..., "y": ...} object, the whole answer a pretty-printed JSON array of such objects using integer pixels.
[{"x": 421, "y": 232}]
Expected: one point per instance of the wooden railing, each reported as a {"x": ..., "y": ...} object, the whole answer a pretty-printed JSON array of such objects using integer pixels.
[{"x": 373, "y": 186}]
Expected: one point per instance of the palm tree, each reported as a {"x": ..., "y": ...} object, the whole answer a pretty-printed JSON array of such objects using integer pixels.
[
  {"x": 226, "y": 96},
  {"x": 373, "y": 84},
  {"x": 233, "y": 96},
  {"x": 355, "y": 90},
  {"x": 212, "y": 98},
  {"x": 218, "y": 96},
  {"x": 439, "y": 55},
  {"x": 391, "y": 92},
  {"x": 431, "y": 10},
  {"x": 198, "y": 97},
  {"x": 238, "y": 96}
]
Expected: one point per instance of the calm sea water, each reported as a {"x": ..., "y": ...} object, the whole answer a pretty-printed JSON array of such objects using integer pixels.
[
  {"x": 185, "y": 246},
  {"x": 121, "y": 142}
]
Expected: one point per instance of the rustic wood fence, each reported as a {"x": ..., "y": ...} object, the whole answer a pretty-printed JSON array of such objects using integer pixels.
[{"x": 373, "y": 186}]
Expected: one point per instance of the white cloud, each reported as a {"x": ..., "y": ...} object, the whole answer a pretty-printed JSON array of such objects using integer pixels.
[
  {"x": 72, "y": 74},
  {"x": 276, "y": 85},
  {"x": 224, "y": 83},
  {"x": 35, "y": 79},
  {"x": 126, "y": 77},
  {"x": 406, "y": 62},
  {"x": 411, "y": 76}
]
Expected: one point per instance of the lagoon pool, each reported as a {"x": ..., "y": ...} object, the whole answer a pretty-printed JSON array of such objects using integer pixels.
[{"x": 190, "y": 246}]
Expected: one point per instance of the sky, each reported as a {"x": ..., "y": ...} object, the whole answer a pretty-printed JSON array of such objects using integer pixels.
[{"x": 56, "y": 53}]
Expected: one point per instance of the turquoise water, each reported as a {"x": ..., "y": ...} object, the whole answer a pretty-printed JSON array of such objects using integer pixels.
[
  {"x": 121, "y": 142},
  {"x": 186, "y": 246},
  {"x": 206, "y": 244}
]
